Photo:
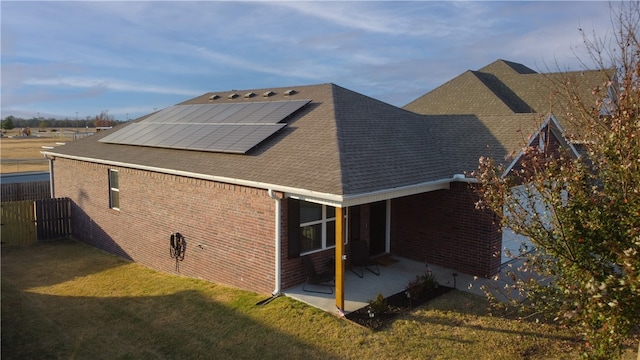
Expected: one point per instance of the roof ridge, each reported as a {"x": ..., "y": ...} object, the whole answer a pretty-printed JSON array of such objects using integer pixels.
[
  {"x": 408, "y": 105},
  {"x": 510, "y": 65},
  {"x": 503, "y": 92},
  {"x": 371, "y": 125}
]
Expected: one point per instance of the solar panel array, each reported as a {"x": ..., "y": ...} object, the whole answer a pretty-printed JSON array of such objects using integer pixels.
[{"x": 224, "y": 127}]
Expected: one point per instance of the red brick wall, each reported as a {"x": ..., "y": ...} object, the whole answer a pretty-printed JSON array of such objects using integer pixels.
[
  {"x": 229, "y": 229},
  {"x": 444, "y": 228}
]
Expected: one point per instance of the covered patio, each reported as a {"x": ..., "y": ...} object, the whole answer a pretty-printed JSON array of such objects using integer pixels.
[{"x": 393, "y": 278}]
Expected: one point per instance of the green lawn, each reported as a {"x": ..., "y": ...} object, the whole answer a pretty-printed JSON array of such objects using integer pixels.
[{"x": 65, "y": 300}]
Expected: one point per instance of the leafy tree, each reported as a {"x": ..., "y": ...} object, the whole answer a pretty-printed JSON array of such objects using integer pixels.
[
  {"x": 582, "y": 214},
  {"x": 7, "y": 124}
]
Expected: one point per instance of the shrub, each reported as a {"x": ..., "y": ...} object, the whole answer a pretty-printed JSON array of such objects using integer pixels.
[
  {"x": 415, "y": 287},
  {"x": 429, "y": 281},
  {"x": 379, "y": 305}
]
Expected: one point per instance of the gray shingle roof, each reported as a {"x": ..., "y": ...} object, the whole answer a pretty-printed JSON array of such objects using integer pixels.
[
  {"x": 503, "y": 88},
  {"x": 465, "y": 94},
  {"x": 341, "y": 143},
  {"x": 464, "y": 138},
  {"x": 504, "y": 97}
]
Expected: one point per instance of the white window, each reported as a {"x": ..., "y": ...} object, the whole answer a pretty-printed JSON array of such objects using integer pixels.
[
  {"x": 317, "y": 227},
  {"x": 114, "y": 190}
]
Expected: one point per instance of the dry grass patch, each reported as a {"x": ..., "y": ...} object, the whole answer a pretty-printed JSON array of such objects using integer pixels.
[
  {"x": 20, "y": 154},
  {"x": 68, "y": 300},
  {"x": 24, "y": 148}
]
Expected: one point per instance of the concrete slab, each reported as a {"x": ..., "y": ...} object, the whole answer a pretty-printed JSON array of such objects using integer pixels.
[{"x": 393, "y": 279}]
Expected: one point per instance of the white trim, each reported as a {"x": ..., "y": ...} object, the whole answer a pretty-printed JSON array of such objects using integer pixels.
[
  {"x": 374, "y": 196},
  {"x": 559, "y": 134},
  {"x": 296, "y": 193},
  {"x": 323, "y": 222},
  {"x": 113, "y": 190}
]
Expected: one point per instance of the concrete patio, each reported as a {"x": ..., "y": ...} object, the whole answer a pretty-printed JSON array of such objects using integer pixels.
[{"x": 393, "y": 279}]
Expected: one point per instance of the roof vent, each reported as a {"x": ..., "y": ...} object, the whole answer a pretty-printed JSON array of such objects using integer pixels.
[
  {"x": 232, "y": 96},
  {"x": 214, "y": 97},
  {"x": 268, "y": 93},
  {"x": 249, "y": 95},
  {"x": 290, "y": 92}
]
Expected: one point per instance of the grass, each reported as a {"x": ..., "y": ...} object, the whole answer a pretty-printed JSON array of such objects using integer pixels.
[
  {"x": 67, "y": 300},
  {"x": 19, "y": 154}
]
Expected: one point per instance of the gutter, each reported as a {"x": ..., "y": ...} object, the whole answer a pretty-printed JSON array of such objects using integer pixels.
[{"x": 296, "y": 193}]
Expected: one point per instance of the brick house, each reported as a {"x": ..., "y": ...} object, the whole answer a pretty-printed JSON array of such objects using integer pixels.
[
  {"x": 242, "y": 214},
  {"x": 273, "y": 188},
  {"x": 506, "y": 106}
]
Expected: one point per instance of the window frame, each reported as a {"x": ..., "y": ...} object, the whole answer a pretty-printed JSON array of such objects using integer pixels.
[
  {"x": 323, "y": 221},
  {"x": 113, "y": 190}
]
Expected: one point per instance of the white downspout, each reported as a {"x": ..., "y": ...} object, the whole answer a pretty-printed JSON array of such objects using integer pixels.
[
  {"x": 51, "y": 185},
  {"x": 278, "y": 238}
]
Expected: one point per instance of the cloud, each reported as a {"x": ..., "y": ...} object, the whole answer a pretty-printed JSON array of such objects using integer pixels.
[
  {"x": 420, "y": 18},
  {"x": 123, "y": 54},
  {"x": 109, "y": 85},
  {"x": 302, "y": 69}
]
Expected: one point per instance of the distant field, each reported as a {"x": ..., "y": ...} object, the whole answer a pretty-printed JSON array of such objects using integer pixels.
[{"x": 20, "y": 153}]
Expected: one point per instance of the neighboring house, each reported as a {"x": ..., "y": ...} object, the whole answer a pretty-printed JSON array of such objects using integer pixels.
[
  {"x": 254, "y": 179},
  {"x": 505, "y": 107}
]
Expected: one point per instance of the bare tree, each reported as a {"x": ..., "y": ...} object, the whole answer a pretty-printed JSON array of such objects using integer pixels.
[{"x": 103, "y": 119}]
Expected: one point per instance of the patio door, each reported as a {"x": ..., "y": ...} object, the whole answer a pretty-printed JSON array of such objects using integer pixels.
[{"x": 378, "y": 226}]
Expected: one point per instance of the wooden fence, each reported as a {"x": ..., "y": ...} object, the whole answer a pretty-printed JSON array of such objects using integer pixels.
[
  {"x": 18, "y": 223},
  {"x": 25, "y": 191},
  {"x": 26, "y": 222}
]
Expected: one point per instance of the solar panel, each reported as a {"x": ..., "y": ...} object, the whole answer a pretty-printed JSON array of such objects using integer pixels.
[{"x": 224, "y": 127}]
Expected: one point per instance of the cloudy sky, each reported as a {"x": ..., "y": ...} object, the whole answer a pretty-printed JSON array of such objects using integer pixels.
[{"x": 131, "y": 57}]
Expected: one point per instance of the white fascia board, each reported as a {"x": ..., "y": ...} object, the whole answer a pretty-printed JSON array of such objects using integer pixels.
[
  {"x": 558, "y": 132},
  {"x": 371, "y": 197},
  {"x": 531, "y": 139},
  {"x": 221, "y": 179},
  {"x": 296, "y": 193}
]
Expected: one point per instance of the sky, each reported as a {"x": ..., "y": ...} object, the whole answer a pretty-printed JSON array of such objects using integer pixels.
[{"x": 76, "y": 59}]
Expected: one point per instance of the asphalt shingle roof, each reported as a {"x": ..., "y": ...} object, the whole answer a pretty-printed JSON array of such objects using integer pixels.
[
  {"x": 464, "y": 138},
  {"x": 341, "y": 143},
  {"x": 504, "y": 97},
  {"x": 503, "y": 88},
  {"x": 345, "y": 143}
]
